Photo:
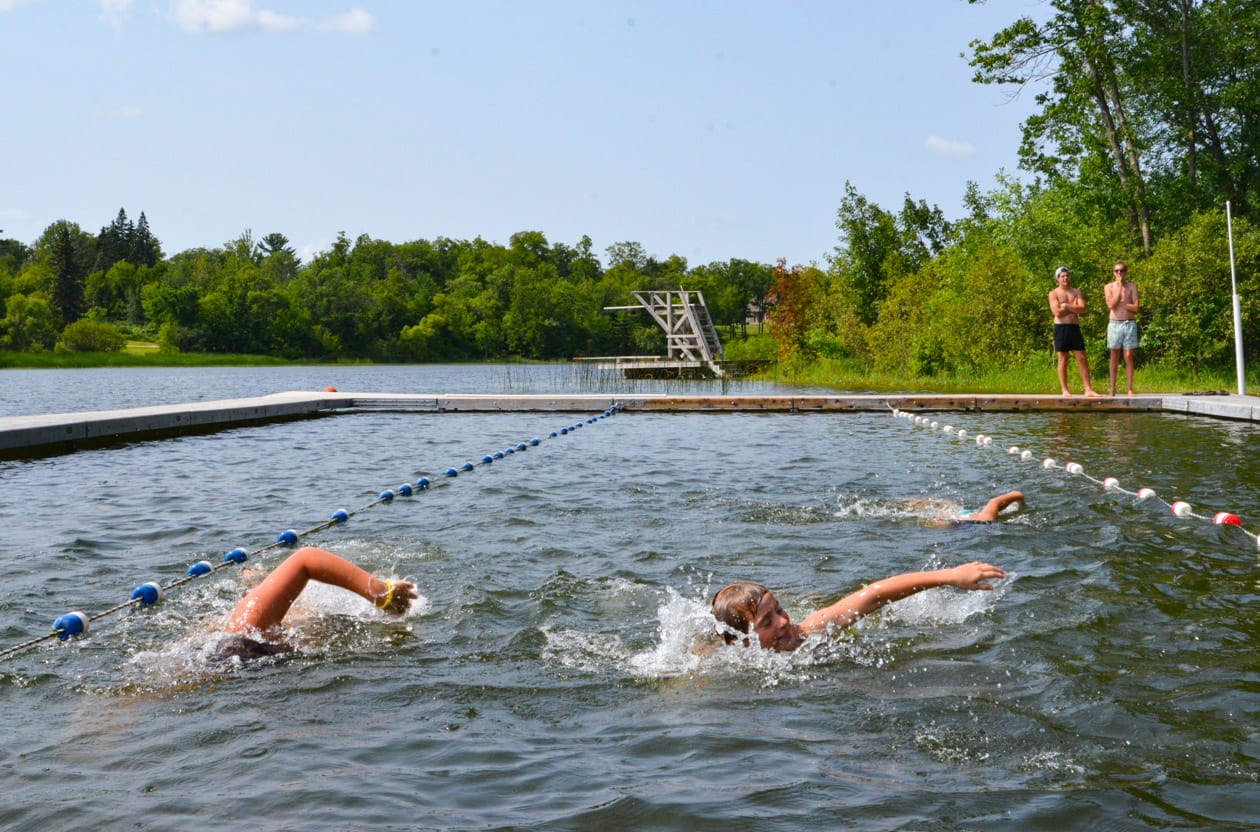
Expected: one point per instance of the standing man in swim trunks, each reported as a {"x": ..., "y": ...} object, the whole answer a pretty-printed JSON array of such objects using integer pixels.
[
  {"x": 1066, "y": 304},
  {"x": 1122, "y": 331}
]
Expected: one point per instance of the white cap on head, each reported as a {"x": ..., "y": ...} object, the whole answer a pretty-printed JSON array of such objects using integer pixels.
[{"x": 1061, "y": 270}]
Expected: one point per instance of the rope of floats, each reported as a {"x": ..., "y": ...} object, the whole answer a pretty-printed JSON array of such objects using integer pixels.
[
  {"x": 74, "y": 624},
  {"x": 1178, "y": 508}
]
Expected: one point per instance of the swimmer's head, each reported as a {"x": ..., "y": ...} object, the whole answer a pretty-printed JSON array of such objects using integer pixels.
[
  {"x": 244, "y": 649},
  {"x": 735, "y": 605},
  {"x": 746, "y": 607}
]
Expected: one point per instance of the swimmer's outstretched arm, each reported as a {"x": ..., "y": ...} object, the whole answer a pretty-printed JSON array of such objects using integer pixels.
[
  {"x": 873, "y": 596},
  {"x": 265, "y": 605},
  {"x": 994, "y": 507}
]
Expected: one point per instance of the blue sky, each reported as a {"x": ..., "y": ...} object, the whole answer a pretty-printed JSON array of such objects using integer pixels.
[{"x": 710, "y": 130}]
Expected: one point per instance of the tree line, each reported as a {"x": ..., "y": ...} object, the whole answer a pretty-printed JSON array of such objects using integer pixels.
[
  {"x": 1145, "y": 128},
  {"x": 425, "y": 300}
]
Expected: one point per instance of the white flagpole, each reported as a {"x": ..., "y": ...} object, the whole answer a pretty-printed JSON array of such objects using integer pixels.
[{"x": 1233, "y": 282}]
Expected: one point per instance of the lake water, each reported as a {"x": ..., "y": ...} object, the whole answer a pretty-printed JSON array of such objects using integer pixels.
[{"x": 548, "y": 679}]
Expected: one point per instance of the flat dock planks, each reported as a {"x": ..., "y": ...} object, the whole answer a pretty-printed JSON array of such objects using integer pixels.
[{"x": 43, "y": 435}]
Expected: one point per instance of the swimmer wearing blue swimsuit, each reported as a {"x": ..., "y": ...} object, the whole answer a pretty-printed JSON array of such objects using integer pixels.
[{"x": 990, "y": 511}]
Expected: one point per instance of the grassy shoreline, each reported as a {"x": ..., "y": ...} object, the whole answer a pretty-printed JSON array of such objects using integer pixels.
[
  {"x": 89, "y": 360},
  {"x": 1036, "y": 377}
]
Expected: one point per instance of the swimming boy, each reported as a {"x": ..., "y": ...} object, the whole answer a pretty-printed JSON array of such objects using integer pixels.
[
  {"x": 946, "y": 513},
  {"x": 254, "y": 625},
  {"x": 752, "y": 608},
  {"x": 992, "y": 508}
]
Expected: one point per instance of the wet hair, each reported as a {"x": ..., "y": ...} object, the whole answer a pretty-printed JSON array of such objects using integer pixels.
[
  {"x": 735, "y": 605},
  {"x": 243, "y": 648}
]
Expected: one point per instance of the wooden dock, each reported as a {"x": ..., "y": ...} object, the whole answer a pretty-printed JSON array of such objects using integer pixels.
[{"x": 44, "y": 435}]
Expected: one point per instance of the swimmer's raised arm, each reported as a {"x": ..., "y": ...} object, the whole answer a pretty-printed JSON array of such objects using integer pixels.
[
  {"x": 266, "y": 604},
  {"x": 994, "y": 507},
  {"x": 970, "y": 576}
]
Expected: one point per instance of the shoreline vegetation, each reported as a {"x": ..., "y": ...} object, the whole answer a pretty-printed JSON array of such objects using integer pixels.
[{"x": 1036, "y": 376}]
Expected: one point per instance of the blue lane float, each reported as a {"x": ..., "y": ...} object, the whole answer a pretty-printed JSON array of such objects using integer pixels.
[
  {"x": 70, "y": 625},
  {"x": 147, "y": 594},
  {"x": 75, "y": 624},
  {"x": 1178, "y": 508}
]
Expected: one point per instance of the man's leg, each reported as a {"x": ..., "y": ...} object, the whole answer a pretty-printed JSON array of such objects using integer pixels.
[
  {"x": 1063, "y": 388},
  {"x": 1082, "y": 366}
]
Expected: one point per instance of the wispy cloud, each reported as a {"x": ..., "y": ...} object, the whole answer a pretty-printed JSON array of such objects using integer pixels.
[
  {"x": 115, "y": 12},
  {"x": 7, "y": 214},
  {"x": 227, "y": 16},
  {"x": 220, "y": 16},
  {"x": 950, "y": 147},
  {"x": 353, "y": 22}
]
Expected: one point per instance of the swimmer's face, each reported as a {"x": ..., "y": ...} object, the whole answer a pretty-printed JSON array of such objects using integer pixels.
[{"x": 775, "y": 631}]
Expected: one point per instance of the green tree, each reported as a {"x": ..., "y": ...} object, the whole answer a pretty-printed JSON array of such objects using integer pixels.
[
  {"x": 1187, "y": 309},
  {"x": 145, "y": 249},
  {"x": 114, "y": 242},
  {"x": 869, "y": 243},
  {"x": 13, "y": 255},
  {"x": 92, "y": 335},
  {"x": 28, "y": 323},
  {"x": 68, "y": 250}
]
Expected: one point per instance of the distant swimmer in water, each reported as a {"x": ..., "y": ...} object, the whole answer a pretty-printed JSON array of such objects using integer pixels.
[
  {"x": 991, "y": 509},
  {"x": 946, "y": 513},
  {"x": 752, "y": 608},
  {"x": 254, "y": 629}
]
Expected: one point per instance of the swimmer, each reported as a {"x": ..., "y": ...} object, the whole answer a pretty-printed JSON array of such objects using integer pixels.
[
  {"x": 746, "y": 607},
  {"x": 254, "y": 625},
  {"x": 945, "y": 513},
  {"x": 991, "y": 509}
]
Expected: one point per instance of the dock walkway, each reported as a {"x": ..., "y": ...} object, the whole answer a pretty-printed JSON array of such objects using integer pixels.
[{"x": 49, "y": 434}]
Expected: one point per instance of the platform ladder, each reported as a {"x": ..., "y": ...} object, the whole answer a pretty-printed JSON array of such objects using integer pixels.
[{"x": 689, "y": 331}]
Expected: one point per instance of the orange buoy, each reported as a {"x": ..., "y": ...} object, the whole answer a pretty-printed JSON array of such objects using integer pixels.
[{"x": 330, "y": 389}]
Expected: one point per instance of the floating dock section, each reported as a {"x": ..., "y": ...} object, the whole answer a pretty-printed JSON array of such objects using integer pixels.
[{"x": 43, "y": 435}]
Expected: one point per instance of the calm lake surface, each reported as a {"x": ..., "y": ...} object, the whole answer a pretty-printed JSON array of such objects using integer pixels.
[{"x": 549, "y": 678}]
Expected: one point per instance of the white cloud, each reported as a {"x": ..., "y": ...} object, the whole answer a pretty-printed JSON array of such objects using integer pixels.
[
  {"x": 272, "y": 22},
  {"x": 950, "y": 147},
  {"x": 227, "y": 16},
  {"x": 353, "y": 22},
  {"x": 219, "y": 16},
  {"x": 115, "y": 12}
]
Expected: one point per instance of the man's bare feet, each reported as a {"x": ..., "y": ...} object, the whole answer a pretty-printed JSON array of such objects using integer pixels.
[
  {"x": 1066, "y": 392},
  {"x": 1093, "y": 394}
]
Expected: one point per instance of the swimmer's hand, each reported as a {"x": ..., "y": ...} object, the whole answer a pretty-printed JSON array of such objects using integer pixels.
[
  {"x": 973, "y": 575},
  {"x": 394, "y": 597}
]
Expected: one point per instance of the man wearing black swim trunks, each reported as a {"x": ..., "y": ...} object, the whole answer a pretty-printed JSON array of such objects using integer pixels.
[{"x": 1066, "y": 304}]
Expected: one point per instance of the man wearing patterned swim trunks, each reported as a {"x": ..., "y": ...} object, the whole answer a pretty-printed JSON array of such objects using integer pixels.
[
  {"x": 1066, "y": 304},
  {"x": 1122, "y": 331}
]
